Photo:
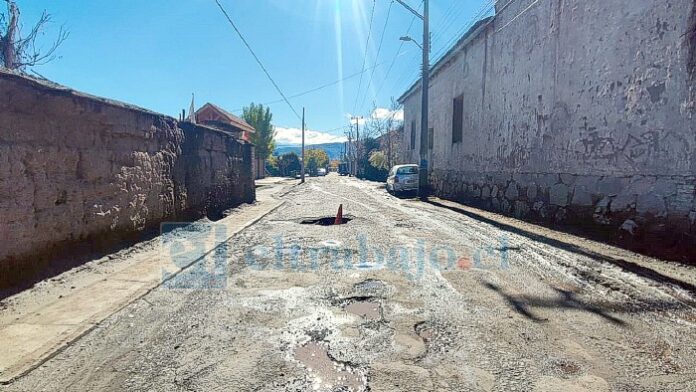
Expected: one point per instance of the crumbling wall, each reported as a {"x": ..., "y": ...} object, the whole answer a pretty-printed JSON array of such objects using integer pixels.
[
  {"x": 215, "y": 170},
  {"x": 576, "y": 113},
  {"x": 79, "y": 172}
]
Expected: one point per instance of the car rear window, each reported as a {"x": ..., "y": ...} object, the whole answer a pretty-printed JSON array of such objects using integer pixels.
[{"x": 408, "y": 170}]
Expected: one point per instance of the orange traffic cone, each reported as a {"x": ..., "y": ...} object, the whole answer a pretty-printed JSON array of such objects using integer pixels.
[{"x": 339, "y": 216}]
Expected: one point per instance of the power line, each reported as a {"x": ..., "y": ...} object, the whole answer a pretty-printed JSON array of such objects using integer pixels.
[
  {"x": 518, "y": 15},
  {"x": 379, "y": 49},
  {"x": 323, "y": 86},
  {"x": 450, "y": 18},
  {"x": 367, "y": 49},
  {"x": 487, "y": 7},
  {"x": 257, "y": 59},
  {"x": 398, "y": 53}
]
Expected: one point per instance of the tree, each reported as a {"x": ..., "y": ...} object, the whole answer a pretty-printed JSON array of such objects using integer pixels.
[
  {"x": 385, "y": 127},
  {"x": 315, "y": 159},
  {"x": 378, "y": 159},
  {"x": 18, "y": 52},
  {"x": 372, "y": 171},
  {"x": 288, "y": 164},
  {"x": 260, "y": 118},
  {"x": 272, "y": 165}
]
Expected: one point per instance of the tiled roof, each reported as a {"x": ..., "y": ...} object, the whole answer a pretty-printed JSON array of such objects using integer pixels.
[{"x": 231, "y": 118}]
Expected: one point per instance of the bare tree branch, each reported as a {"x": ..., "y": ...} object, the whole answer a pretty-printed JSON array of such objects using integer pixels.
[{"x": 19, "y": 52}]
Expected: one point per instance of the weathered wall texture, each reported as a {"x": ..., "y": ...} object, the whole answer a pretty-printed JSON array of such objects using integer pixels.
[
  {"x": 76, "y": 169},
  {"x": 577, "y": 112},
  {"x": 214, "y": 172}
]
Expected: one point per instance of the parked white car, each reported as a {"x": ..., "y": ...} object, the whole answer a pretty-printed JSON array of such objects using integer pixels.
[{"x": 403, "y": 178}]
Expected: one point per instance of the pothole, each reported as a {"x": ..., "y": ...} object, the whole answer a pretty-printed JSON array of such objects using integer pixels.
[
  {"x": 327, "y": 373},
  {"x": 326, "y": 221},
  {"x": 563, "y": 367},
  {"x": 369, "y": 310},
  {"x": 425, "y": 331},
  {"x": 370, "y": 285}
]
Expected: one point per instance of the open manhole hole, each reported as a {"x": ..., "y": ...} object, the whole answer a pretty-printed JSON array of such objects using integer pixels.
[
  {"x": 326, "y": 221},
  {"x": 339, "y": 219}
]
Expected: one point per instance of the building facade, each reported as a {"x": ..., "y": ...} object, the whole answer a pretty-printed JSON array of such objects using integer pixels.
[
  {"x": 217, "y": 117},
  {"x": 581, "y": 113}
]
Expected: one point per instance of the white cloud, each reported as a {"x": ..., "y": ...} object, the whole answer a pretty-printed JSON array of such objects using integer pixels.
[
  {"x": 380, "y": 114},
  {"x": 294, "y": 136},
  {"x": 384, "y": 113}
]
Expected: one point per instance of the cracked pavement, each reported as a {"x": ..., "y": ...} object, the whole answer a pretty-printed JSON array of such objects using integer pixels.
[{"x": 407, "y": 296}]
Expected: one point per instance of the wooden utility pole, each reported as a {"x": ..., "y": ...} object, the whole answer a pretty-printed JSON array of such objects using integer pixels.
[{"x": 303, "y": 157}]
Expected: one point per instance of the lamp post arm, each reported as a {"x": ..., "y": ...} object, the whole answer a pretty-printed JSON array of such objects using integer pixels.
[{"x": 408, "y": 7}]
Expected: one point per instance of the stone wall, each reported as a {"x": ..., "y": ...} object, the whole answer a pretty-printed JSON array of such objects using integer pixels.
[
  {"x": 83, "y": 172},
  {"x": 579, "y": 113}
]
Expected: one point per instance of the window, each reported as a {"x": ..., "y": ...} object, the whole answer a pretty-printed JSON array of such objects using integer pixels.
[
  {"x": 407, "y": 170},
  {"x": 413, "y": 135},
  {"x": 431, "y": 137},
  {"x": 458, "y": 119}
]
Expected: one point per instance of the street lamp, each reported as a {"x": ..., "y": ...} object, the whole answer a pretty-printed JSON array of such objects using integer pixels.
[
  {"x": 425, "y": 82},
  {"x": 406, "y": 38}
]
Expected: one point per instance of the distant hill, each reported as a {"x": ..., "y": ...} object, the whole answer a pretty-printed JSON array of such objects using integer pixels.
[{"x": 333, "y": 150}]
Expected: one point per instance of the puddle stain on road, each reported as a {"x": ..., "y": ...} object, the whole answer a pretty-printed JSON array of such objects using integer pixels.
[
  {"x": 365, "y": 309},
  {"x": 327, "y": 373}
]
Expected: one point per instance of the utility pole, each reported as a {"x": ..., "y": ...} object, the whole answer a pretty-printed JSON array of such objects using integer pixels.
[
  {"x": 357, "y": 146},
  {"x": 425, "y": 84},
  {"x": 357, "y": 143},
  {"x": 302, "y": 180},
  {"x": 350, "y": 153}
]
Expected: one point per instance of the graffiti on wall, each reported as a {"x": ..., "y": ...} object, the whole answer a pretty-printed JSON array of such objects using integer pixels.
[{"x": 634, "y": 150}]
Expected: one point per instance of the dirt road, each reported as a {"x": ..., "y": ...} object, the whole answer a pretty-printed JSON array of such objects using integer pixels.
[{"x": 406, "y": 296}]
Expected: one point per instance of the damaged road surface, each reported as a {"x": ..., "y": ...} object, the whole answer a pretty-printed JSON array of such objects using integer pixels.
[{"x": 407, "y": 296}]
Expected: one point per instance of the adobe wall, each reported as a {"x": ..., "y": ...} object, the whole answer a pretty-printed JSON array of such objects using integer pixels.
[{"x": 83, "y": 172}]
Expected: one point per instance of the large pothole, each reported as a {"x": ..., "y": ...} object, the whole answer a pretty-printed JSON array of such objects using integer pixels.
[
  {"x": 326, "y": 221},
  {"x": 327, "y": 373},
  {"x": 369, "y": 310}
]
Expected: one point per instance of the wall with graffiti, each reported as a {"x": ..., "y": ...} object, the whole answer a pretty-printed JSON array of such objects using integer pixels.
[{"x": 580, "y": 113}]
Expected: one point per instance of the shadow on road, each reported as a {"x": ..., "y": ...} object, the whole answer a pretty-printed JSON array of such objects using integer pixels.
[
  {"x": 623, "y": 264},
  {"x": 565, "y": 299}
]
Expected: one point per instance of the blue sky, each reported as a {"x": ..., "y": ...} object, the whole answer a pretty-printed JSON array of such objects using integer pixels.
[{"x": 155, "y": 53}]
